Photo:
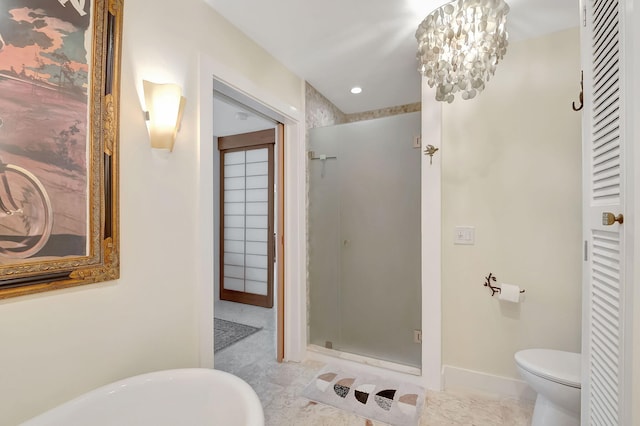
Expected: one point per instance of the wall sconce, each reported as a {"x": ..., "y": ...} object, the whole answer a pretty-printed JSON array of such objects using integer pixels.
[{"x": 165, "y": 105}]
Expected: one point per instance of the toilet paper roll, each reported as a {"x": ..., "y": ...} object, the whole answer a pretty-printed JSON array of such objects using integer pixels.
[{"x": 509, "y": 293}]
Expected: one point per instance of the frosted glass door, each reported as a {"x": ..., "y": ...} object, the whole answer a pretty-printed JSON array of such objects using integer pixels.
[
  {"x": 247, "y": 226},
  {"x": 380, "y": 239},
  {"x": 364, "y": 238}
]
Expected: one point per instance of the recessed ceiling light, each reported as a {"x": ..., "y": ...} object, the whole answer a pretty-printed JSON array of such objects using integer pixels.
[{"x": 356, "y": 90}]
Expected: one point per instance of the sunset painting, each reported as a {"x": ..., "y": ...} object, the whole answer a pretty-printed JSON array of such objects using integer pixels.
[{"x": 44, "y": 82}]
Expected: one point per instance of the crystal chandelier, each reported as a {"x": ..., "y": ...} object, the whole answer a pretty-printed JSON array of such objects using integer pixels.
[{"x": 460, "y": 45}]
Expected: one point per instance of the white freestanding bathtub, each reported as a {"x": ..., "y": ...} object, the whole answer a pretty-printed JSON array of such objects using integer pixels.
[{"x": 192, "y": 396}]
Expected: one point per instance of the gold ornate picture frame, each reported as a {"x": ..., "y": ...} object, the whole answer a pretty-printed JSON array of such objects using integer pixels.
[{"x": 59, "y": 126}]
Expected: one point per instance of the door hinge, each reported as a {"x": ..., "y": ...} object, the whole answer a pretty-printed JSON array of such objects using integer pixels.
[{"x": 586, "y": 250}]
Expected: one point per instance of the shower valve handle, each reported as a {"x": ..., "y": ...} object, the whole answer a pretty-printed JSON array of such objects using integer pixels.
[{"x": 430, "y": 151}]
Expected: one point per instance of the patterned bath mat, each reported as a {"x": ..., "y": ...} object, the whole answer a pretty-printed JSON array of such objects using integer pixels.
[
  {"x": 226, "y": 333},
  {"x": 369, "y": 396}
]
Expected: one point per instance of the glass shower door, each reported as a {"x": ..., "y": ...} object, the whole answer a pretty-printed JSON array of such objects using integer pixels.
[{"x": 370, "y": 305}]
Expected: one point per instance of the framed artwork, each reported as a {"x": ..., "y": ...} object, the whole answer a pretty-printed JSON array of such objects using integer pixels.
[{"x": 59, "y": 103}]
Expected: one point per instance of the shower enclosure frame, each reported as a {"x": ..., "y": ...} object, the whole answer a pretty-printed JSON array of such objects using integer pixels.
[{"x": 212, "y": 69}]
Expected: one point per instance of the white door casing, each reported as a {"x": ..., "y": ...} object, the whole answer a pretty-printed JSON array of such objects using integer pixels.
[
  {"x": 431, "y": 229},
  {"x": 211, "y": 69}
]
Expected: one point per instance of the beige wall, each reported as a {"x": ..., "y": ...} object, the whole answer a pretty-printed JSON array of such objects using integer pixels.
[
  {"x": 511, "y": 168},
  {"x": 57, "y": 345}
]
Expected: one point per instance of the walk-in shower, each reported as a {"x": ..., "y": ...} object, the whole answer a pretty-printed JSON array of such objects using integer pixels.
[{"x": 365, "y": 239}]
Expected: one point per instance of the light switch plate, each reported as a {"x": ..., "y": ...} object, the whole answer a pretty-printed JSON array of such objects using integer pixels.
[{"x": 465, "y": 235}]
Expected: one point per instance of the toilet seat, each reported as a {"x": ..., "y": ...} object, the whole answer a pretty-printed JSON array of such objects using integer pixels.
[{"x": 558, "y": 366}]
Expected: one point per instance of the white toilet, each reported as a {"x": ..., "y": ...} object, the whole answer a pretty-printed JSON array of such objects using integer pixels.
[{"x": 555, "y": 376}]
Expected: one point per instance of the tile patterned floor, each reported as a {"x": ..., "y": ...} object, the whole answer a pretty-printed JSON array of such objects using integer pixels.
[{"x": 279, "y": 385}]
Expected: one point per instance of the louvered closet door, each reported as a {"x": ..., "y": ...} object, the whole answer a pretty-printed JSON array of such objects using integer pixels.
[
  {"x": 605, "y": 385},
  {"x": 246, "y": 229}
]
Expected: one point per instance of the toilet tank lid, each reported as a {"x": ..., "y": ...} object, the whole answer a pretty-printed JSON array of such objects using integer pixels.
[{"x": 559, "y": 366}]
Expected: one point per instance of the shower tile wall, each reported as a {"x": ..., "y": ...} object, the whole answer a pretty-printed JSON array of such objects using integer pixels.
[
  {"x": 319, "y": 111},
  {"x": 384, "y": 112}
]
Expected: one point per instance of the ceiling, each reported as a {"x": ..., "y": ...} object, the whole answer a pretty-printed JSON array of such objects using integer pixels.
[
  {"x": 232, "y": 118},
  {"x": 338, "y": 44}
]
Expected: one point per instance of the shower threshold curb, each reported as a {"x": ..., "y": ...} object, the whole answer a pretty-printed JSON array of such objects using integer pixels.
[{"x": 320, "y": 354}]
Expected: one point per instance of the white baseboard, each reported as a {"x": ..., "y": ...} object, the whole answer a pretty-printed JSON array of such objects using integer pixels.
[{"x": 460, "y": 378}]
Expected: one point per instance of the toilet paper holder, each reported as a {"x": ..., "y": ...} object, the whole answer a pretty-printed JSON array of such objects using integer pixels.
[{"x": 494, "y": 289}]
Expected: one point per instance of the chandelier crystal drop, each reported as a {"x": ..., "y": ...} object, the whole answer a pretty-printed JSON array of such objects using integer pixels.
[{"x": 460, "y": 45}]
